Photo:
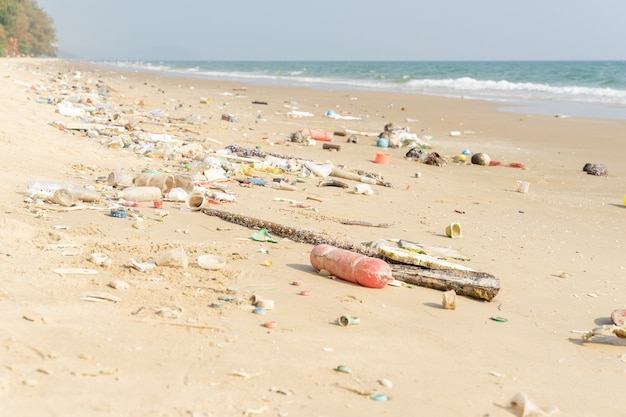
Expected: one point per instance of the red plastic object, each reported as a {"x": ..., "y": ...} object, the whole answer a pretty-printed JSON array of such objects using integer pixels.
[
  {"x": 318, "y": 135},
  {"x": 351, "y": 266},
  {"x": 516, "y": 165}
]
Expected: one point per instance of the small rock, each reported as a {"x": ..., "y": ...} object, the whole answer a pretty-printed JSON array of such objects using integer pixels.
[{"x": 118, "y": 284}]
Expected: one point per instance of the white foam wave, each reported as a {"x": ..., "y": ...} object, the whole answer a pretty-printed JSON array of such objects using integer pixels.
[
  {"x": 467, "y": 87},
  {"x": 503, "y": 89}
]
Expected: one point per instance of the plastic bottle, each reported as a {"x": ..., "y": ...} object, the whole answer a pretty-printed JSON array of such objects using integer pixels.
[
  {"x": 318, "y": 135},
  {"x": 46, "y": 189},
  {"x": 184, "y": 181},
  {"x": 140, "y": 193},
  {"x": 351, "y": 266},
  {"x": 162, "y": 181}
]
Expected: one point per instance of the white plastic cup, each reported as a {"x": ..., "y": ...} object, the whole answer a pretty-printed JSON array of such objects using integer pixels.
[
  {"x": 63, "y": 197},
  {"x": 522, "y": 187},
  {"x": 176, "y": 257}
]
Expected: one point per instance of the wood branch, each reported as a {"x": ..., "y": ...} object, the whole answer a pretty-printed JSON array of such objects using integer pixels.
[
  {"x": 293, "y": 233},
  {"x": 469, "y": 283}
]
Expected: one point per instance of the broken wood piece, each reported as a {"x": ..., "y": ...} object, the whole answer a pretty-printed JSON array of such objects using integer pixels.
[
  {"x": 361, "y": 223},
  {"x": 331, "y": 146},
  {"x": 318, "y": 199},
  {"x": 293, "y": 233},
  {"x": 74, "y": 271},
  {"x": 100, "y": 296},
  {"x": 414, "y": 258},
  {"x": 469, "y": 283}
]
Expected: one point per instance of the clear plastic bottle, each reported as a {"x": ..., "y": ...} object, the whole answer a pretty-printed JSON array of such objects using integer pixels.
[
  {"x": 46, "y": 189},
  {"x": 163, "y": 181},
  {"x": 140, "y": 193}
]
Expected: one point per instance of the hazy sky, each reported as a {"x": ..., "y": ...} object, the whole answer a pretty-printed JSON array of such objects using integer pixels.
[{"x": 340, "y": 29}]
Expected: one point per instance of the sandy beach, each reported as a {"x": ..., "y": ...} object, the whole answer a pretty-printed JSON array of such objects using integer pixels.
[{"x": 173, "y": 341}]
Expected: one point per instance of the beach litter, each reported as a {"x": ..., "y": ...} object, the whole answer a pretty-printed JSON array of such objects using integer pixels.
[
  {"x": 523, "y": 406},
  {"x": 347, "y": 320},
  {"x": 596, "y": 169},
  {"x": 448, "y": 300}
]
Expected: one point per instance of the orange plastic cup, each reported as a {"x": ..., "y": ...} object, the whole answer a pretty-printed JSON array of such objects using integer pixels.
[{"x": 382, "y": 158}]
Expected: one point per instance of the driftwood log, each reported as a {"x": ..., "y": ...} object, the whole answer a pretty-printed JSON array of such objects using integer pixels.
[
  {"x": 293, "y": 233},
  {"x": 469, "y": 283},
  {"x": 474, "y": 284}
]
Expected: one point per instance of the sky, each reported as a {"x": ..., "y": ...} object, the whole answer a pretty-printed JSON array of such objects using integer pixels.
[{"x": 353, "y": 30}]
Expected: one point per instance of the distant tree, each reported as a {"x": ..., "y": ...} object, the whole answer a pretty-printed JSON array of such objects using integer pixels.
[{"x": 26, "y": 21}]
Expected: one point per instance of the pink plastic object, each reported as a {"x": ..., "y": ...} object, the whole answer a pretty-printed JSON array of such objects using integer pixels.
[
  {"x": 351, "y": 266},
  {"x": 318, "y": 135}
]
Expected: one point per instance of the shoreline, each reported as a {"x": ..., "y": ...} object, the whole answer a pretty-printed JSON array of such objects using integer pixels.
[
  {"x": 192, "y": 333},
  {"x": 548, "y": 107}
]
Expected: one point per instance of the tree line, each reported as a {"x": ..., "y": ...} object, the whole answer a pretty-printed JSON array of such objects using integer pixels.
[{"x": 24, "y": 26}]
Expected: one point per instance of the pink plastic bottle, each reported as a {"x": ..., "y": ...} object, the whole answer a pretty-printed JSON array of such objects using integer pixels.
[
  {"x": 318, "y": 135},
  {"x": 351, "y": 266}
]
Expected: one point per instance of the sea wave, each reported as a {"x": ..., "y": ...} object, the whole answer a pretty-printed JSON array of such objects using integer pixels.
[{"x": 463, "y": 86}]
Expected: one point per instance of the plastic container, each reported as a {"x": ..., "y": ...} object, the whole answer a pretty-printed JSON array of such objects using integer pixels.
[
  {"x": 195, "y": 201},
  {"x": 119, "y": 212},
  {"x": 318, "y": 135},
  {"x": 172, "y": 257},
  {"x": 212, "y": 262},
  {"x": 163, "y": 181},
  {"x": 351, "y": 266},
  {"x": 382, "y": 158},
  {"x": 453, "y": 230},
  {"x": 522, "y": 187},
  {"x": 142, "y": 193}
]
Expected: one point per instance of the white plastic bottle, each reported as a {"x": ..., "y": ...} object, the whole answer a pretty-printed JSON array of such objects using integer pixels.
[{"x": 140, "y": 193}]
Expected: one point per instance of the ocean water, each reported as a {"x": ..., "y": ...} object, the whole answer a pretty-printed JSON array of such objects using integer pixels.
[{"x": 567, "y": 88}]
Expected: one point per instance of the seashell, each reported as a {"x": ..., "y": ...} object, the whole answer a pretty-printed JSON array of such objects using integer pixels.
[
  {"x": 118, "y": 284},
  {"x": 481, "y": 159},
  {"x": 385, "y": 383}
]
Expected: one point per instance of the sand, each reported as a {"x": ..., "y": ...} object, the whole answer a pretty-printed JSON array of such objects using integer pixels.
[{"x": 181, "y": 342}]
